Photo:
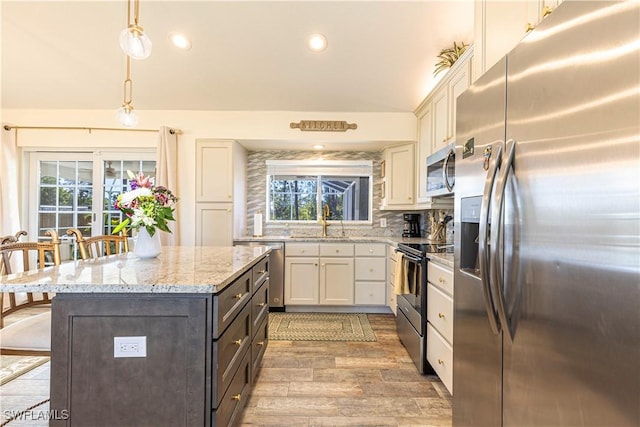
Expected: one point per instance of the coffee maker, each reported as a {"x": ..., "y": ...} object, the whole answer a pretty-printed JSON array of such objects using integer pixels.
[{"x": 411, "y": 225}]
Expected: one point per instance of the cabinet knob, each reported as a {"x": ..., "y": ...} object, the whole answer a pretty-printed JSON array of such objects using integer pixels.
[
  {"x": 371, "y": 270},
  {"x": 238, "y": 296},
  {"x": 238, "y": 342},
  {"x": 370, "y": 250},
  {"x": 236, "y": 397},
  {"x": 546, "y": 11},
  {"x": 302, "y": 251},
  {"x": 315, "y": 264},
  {"x": 261, "y": 272},
  {"x": 337, "y": 250},
  {"x": 441, "y": 280},
  {"x": 261, "y": 304},
  {"x": 529, "y": 27},
  {"x": 229, "y": 196},
  {"x": 323, "y": 264},
  {"x": 410, "y": 198},
  {"x": 260, "y": 343},
  {"x": 440, "y": 362},
  {"x": 440, "y": 315}
]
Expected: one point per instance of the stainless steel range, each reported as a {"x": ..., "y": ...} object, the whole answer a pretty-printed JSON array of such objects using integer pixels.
[{"x": 411, "y": 320}]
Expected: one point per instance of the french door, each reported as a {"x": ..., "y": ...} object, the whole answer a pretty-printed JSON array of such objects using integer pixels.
[{"x": 78, "y": 190}]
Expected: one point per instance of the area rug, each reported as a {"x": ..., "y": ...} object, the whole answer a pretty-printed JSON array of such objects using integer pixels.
[
  {"x": 320, "y": 327},
  {"x": 11, "y": 367}
]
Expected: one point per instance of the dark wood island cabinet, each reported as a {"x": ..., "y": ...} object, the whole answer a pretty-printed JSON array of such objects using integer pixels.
[{"x": 173, "y": 341}]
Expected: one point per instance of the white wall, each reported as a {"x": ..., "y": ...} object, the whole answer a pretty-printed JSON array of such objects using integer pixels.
[{"x": 374, "y": 128}]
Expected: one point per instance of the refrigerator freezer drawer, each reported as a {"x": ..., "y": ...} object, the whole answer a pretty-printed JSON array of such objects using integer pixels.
[
  {"x": 440, "y": 356},
  {"x": 441, "y": 277},
  {"x": 440, "y": 312}
]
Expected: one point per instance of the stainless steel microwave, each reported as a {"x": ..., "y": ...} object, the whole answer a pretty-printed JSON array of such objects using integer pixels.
[{"x": 441, "y": 172}]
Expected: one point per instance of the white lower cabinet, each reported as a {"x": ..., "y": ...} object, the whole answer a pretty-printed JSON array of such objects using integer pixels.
[
  {"x": 335, "y": 274},
  {"x": 312, "y": 277},
  {"x": 440, "y": 322},
  {"x": 371, "y": 274},
  {"x": 336, "y": 281}
]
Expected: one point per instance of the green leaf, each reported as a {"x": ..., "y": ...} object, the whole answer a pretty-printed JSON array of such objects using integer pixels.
[{"x": 121, "y": 226}]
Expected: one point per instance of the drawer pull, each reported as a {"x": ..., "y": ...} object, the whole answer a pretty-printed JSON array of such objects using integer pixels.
[
  {"x": 371, "y": 270},
  {"x": 440, "y": 362},
  {"x": 370, "y": 251},
  {"x": 236, "y": 397},
  {"x": 261, "y": 304},
  {"x": 441, "y": 280},
  {"x": 262, "y": 271},
  {"x": 337, "y": 251},
  {"x": 260, "y": 343},
  {"x": 238, "y": 296},
  {"x": 238, "y": 342},
  {"x": 440, "y": 315}
]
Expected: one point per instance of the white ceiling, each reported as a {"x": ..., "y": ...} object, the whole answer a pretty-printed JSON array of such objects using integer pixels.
[{"x": 246, "y": 55}]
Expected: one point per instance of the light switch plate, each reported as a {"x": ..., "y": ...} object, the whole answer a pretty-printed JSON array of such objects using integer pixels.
[
  {"x": 129, "y": 346},
  {"x": 383, "y": 222}
]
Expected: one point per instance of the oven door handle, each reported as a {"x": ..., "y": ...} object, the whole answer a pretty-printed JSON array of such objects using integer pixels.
[{"x": 410, "y": 257}]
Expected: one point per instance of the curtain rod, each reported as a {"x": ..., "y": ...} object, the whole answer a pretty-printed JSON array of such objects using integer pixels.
[{"x": 8, "y": 127}]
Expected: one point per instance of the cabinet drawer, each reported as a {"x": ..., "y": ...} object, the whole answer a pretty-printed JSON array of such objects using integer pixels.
[
  {"x": 260, "y": 272},
  {"x": 440, "y": 276},
  {"x": 231, "y": 405},
  {"x": 440, "y": 312},
  {"x": 440, "y": 356},
  {"x": 228, "y": 352},
  {"x": 370, "y": 293},
  {"x": 302, "y": 249},
  {"x": 371, "y": 249},
  {"x": 371, "y": 269},
  {"x": 259, "y": 306},
  {"x": 336, "y": 249},
  {"x": 258, "y": 347},
  {"x": 230, "y": 301}
]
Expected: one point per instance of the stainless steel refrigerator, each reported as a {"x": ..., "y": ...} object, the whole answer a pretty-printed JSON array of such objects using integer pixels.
[{"x": 547, "y": 227}]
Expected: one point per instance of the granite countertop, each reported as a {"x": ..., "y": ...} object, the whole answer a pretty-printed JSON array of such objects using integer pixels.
[
  {"x": 445, "y": 259},
  {"x": 178, "y": 269}
]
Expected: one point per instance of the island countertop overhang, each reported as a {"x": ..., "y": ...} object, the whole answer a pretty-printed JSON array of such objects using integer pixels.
[{"x": 178, "y": 270}]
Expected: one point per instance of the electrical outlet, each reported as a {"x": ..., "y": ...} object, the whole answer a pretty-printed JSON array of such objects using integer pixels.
[
  {"x": 383, "y": 222},
  {"x": 129, "y": 346}
]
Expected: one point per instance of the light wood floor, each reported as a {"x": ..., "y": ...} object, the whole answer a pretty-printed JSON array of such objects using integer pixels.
[
  {"x": 304, "y": 383},
  {"x": 311, "y": 384}
]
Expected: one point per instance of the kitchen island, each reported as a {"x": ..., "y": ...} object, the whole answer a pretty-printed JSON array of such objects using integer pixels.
[{"x": 171, "y": 341}]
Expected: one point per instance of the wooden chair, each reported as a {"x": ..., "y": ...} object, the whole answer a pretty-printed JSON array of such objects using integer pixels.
[
  {"x": 9, "y": 239},
  {"x": 98, "y": 246},
  {"x": 31, "y": 335}
]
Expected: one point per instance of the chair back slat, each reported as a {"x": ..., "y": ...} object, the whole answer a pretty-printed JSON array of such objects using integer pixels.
[
  {"x": 41, "y": 250},
  {"x": 97, "y": 246}
]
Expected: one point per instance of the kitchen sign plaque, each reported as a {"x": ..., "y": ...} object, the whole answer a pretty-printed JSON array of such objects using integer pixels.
[{"x": 323, "y": 125}]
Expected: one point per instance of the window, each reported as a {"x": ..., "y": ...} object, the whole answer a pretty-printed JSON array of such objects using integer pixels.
[
  {"x": 70, "y": 188},
  {"x": 299, "y": 190}
]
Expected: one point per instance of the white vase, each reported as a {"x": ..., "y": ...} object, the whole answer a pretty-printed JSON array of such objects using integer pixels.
[{"x": 147, "y": 246}]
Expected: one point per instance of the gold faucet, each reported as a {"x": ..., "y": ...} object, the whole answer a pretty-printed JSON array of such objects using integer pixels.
[{"x": 325, "y": 214}]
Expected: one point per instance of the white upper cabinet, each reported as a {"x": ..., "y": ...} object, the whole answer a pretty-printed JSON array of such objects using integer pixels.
[
  {"x": 398, "y": 181},
  {"x": 437, "y": 119},
  {"x": 500, "y": 25}
]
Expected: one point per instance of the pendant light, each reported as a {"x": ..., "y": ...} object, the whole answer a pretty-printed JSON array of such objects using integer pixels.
[
  {"x": 133, "y": 41},
  {"x": 127, "y": 116}
]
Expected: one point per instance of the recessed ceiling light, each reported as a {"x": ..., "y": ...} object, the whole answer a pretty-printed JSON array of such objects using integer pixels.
[
  {"x": 318, "y": 147},
  {"x": 180, "y": 41},
  {"x": 317, "y": 42}
]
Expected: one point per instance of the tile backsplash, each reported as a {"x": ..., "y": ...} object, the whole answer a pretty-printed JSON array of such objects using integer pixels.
[{"x": 257, "y": 197}]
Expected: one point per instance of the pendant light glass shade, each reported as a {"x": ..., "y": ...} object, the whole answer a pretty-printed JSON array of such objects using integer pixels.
[
  {"x": 135, "y": 43},
  {"x": 127, "y": 116}
]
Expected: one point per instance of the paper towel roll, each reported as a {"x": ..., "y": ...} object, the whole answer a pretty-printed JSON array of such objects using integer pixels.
[{"x": 257, "y": 224}]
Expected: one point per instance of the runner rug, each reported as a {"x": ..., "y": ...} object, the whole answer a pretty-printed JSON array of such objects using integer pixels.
[
  {"x": 11, "y": 367},
  {"x": 320, "y": 327}
]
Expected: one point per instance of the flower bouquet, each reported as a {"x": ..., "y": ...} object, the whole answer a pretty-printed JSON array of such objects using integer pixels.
[{"x": 146, "y": 205}]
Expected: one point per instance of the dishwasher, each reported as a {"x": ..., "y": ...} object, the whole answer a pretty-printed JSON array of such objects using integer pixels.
[{"x": 276, "y": 271}]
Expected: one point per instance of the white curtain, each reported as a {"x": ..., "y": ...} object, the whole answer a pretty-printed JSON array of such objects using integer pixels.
[
  {"x": 167, "y": 176},
  {"x": 9, "y": 184}
]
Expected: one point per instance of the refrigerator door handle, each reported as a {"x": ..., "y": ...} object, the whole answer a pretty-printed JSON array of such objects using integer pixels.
[
  {"x": 495, "y": 259},
  {"x": 445, "y": 167},
  {"x": 483, "y": 252}
]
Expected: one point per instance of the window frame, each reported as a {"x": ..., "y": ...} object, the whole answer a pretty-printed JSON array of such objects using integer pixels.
[{"x": 315, "y": 168}]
